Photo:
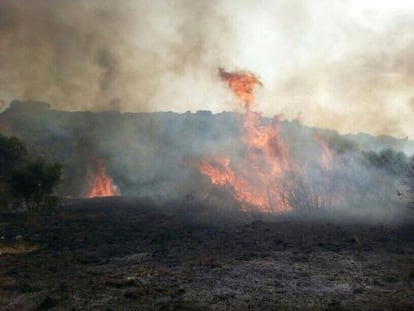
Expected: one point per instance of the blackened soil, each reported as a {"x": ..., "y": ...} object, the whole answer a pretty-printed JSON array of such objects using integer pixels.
[{"x": 131, "y": 254}]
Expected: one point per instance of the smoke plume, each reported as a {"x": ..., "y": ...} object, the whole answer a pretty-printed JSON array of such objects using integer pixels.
[{"x": 344, "y": 65}]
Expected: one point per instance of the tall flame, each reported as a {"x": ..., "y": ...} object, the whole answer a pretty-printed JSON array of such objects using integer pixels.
[
  {"x": 102, "y": 185},
  {"x": 326, "y": 155},
  {"x": 220, "y": 172},
  {"x": 251, "y": 180}
]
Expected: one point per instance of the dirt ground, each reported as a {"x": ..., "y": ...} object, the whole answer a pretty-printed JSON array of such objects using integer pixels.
[{"x": 133, "y": 254}]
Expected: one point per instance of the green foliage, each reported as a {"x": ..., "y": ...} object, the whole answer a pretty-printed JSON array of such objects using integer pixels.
[{"x": 34, "y": 182}]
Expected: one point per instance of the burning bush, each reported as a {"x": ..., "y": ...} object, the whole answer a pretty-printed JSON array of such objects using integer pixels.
[
  {"x": 328, "y": 172},
  {"x": 101, "y": 184},
  {"x": 250, "y": 178},
  {"x": 246, "y": 161},
  {"x": 297, "y": 192}
]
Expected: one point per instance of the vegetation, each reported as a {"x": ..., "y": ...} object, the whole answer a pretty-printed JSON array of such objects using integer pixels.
[
  {"x": 12, "y": 153},
  {"x": 34, "y": 182},
  {"x": 144, "y": 154},
  {"x": 25, "y": 182},
  {"x": 393, "y": 162},
  {"x": 408, "y": 179},
  {"x": 297, "y": 192}
]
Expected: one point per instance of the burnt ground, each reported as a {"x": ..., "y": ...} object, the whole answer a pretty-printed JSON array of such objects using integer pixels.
[{"x": 131, "y": 254}]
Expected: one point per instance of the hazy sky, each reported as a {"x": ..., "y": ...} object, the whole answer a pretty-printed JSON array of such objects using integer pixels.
[{"x": 346, "y": 65}]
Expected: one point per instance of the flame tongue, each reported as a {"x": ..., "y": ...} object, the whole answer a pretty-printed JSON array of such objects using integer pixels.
[
  {"x": 326, "y": 155},
  {"x": 102, "y": 185},
  {"x": 242, "y": 83},
  {"x": 265, "y": 148},
  {"x": 220, "y": 172},
  {"x": 251, "y": 180}
]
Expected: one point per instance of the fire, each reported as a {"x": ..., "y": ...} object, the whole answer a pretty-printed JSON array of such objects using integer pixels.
[
  {"x": 326, "y": 156},
  {"x": 242, "y": 83},
  {"x": 266, "y": 152},
  {"x": 251, "y": 180},
  {"x": 221, "y": 174},
  {"x": 102, "y": 185}
]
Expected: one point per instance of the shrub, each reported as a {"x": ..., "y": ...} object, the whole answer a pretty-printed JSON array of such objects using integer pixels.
[
  {"x": 26, "y": 181},
  {"x": 408, "y": 179},
  {"x": 35, "y": 182}
]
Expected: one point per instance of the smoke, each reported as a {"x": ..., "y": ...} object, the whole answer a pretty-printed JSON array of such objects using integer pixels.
[
  {"x": 345, "y": 65},
  {"x": 80, "y": 55}
]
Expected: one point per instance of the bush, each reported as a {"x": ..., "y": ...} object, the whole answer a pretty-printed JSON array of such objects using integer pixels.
[
  {"x": 297, "y": 192},
  {"x": 393, "y": 162},
  {"x": 25, "y": 181},
  {"x": 5, "y": 196},
  {"x": 12, "y": 154},
  {"x": 408, "y": 179},
  {"x": 34, "y": 182}
]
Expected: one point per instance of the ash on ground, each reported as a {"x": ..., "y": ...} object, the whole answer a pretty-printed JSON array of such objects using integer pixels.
[{"x": 135, "y": 254}]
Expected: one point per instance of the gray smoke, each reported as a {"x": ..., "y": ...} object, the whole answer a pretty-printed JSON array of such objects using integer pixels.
[
  {"x": 343, "y": 65},
  {"x": 82, "y": 54}
]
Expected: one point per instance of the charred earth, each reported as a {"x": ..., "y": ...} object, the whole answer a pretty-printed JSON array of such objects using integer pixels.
[{"x": 138, "y": 254}]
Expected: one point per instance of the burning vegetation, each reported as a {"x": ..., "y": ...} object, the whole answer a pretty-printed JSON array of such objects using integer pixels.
[
  {"x": 271, "y": 174},
  {"x": 326, "y": 153},
  {"x": 245, "y": 161},
  {"x": 135, "y": 251},
  {"x": 102, "y": 185},
  {"x": 253, "y": 179}
]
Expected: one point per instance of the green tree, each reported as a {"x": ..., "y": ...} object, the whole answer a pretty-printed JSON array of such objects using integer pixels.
[{"x": 35, "y": 182}]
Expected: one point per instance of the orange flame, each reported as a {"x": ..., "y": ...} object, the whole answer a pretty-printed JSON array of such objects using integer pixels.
[
  {"x": 102, "y": 185},
  {"x": 326, "y": 156},
  {"x": 242, "y": 83},
  {"x": 253, "y": 180},
  {"x": 265, "y": 148},
  {"x": 219, "y": 171}
]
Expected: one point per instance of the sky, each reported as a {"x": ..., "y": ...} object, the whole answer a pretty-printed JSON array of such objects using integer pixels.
[{"x": 344, "y": 65}]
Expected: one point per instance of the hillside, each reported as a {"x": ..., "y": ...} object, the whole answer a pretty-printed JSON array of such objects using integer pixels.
[
  {"x": 147, "y": 153},
  {"x": 186, "y": 244}
]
